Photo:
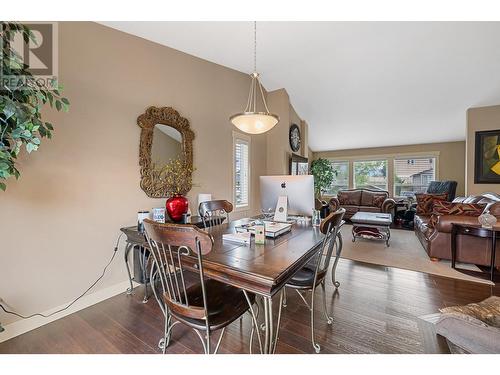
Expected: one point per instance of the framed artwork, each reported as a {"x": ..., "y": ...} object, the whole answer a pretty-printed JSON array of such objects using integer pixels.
[
  {"x": 487, "y": 157},
  {"x": 298, "y": 165}
]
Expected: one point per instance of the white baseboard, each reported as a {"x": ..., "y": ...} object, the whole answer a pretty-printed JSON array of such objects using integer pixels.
[{"x": 25, "y": 325}]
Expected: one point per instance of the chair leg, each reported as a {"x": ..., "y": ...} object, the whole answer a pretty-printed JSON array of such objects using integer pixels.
[
  {"x": 316, "y": 347},
  {"x": 329, "y": 319},
  {"x": 220, "y": 339},
  {"x": 284, "y": 297}
]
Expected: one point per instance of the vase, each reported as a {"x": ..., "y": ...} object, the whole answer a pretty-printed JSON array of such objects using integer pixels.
[
  {"x": 176, "y": 206},
  {"x": 487, "y": 220}
]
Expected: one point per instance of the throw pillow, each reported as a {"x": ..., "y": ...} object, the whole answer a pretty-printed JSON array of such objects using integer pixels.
[
  {"x": 487, "y": 311},
  {"x": 378, "y": 200},
  {"x": 342, "y": 198},
  {"x": 459, "y": 209},
  {"x": 425, "y": 202}
]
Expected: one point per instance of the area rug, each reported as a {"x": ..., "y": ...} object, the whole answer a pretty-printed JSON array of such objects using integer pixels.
[{"x": 405, "y": 251}]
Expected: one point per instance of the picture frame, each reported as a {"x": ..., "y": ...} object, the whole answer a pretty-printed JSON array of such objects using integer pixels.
[
  {"x": 299, "y": 165},
  {"x": 487, "y": 157}
]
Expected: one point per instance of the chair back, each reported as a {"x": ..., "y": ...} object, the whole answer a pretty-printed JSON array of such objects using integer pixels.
[
  {"x": 440, "y": 187},
  {"x": 214, "y": 212},
  {"x": 170, "y": 244},
  {"x": 329, "y": 226}
]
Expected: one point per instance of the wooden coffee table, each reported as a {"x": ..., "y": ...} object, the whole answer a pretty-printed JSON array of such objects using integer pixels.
[{"x": 371, "y": 225}]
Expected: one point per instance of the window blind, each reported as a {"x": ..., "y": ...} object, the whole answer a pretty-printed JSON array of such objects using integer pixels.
[{"x": 241, "y": 172}]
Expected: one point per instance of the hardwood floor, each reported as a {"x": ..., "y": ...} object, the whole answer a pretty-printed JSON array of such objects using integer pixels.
[{"x": 375, "y": 311}]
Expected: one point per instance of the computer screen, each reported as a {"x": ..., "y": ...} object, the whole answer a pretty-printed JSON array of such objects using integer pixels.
[{"x": 298, "y": 189}]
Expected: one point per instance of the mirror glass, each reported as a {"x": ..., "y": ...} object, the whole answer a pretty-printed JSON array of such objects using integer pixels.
[{"x": 167, "y": 145}]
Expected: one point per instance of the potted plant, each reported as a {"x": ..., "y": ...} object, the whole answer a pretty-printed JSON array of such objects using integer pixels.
[
  {"x": 22, "y": 97},
  {"x": 323, "y": 173}
]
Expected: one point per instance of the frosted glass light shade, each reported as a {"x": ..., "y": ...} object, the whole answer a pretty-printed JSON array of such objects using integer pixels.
[{"x": 254, "y": 122}]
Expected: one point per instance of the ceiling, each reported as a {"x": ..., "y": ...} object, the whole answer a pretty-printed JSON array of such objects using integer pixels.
[{"x": 357, "y": 84}]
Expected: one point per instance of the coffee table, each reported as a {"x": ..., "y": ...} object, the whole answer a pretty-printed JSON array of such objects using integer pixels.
[{"x": 371, "y": 225}]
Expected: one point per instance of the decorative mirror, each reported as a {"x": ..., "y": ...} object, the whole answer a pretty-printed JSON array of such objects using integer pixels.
[{"x": 165, "y": 152}]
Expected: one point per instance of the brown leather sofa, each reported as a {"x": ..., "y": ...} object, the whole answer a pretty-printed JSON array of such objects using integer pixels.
[
  {"x": 363, "y": 200},
  {"x": 436, "y": 239}
]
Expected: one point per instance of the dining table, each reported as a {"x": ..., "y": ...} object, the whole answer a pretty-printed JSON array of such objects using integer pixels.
[{"x": 262, "y": 269}]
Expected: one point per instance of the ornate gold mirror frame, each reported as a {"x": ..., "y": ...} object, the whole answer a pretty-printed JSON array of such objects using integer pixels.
[{"x": 156, "y": 182}]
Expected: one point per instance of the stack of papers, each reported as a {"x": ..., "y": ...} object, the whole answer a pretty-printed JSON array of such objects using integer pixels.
[
  {"x": 272, "y": 228},
  {"x": 243, "y": 238}
]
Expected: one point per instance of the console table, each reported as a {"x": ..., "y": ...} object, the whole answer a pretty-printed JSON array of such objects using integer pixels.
[
  {"x": 476, "y": 231},
  {"x": 137, "y": 241}
]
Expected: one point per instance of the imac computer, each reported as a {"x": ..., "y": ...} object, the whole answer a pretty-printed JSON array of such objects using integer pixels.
[{"x": 298, "y": 190}]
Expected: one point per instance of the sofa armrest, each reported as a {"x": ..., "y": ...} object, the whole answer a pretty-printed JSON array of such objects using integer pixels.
[
  {"x": 388, "y": 205},
  {"x": 476, "y": 338},
  {"x": 443, "y": 222},
  {"x": 334, "y": 204}
]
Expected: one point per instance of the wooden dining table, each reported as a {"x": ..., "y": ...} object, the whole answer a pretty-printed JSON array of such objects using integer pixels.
[{"x": 260, "y": 269}]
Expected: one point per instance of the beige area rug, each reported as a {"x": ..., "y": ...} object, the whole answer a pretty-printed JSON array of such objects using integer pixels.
[{"x": 405, "y": 251}]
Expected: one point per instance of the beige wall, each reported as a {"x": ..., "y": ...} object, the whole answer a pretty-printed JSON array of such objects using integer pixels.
[
  {"x": 451, "y": 159},
  {"x": 278, "y": 145},
  {"x": 60, "y": 221},
  {"x": 479, "y": 119}
]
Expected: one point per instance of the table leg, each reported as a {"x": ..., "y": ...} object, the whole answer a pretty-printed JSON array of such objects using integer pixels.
[
  {"x": 144, "y": 274},
  {"x": 453, "y": 246},
  {"x": 127, "y": 251},
  {"x": 493, "y": 251},
  {"x": 271, "y": 337}
]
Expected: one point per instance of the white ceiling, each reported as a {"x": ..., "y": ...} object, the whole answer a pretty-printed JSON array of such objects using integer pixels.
[{"x": 357, "y": 84}]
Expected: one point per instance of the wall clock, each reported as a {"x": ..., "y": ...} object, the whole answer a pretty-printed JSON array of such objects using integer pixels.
[{"x": 294, "y": 137}]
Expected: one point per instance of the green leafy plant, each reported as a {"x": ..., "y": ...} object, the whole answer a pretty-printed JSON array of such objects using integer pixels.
[
  {"x": 323, "y": 173},
  {"x": 21, "y": 122}
]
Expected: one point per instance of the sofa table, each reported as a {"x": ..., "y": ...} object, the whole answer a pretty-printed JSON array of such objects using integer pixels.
[
  {"x": 371, "y": 225},
  {"x": 476, "y": 231},
  {"x": 137, "y": 241}
]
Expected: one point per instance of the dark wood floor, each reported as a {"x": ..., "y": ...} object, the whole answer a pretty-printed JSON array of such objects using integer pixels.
[{"x": 375, "y": 311}]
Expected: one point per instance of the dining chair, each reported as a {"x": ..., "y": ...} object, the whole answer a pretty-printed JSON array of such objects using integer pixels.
[
  {"x": 205, "y": 305},
  {"x": 313, "y": 274},
  {"x": 213, "y": 213}
]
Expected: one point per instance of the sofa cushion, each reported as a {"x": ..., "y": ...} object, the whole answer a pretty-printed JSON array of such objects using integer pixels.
[
  {"x": 349, "y": 198},
  {"x": 378, "y": 200},
  {"x": 459, "y": 209},
  {"x": 425, "y": 202},
  {"x": 351, "y": 210}
]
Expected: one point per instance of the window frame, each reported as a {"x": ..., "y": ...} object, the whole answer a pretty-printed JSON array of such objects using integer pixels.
[
  {"x": 433, "y": 156},
  {"x": 247, "y": 139},
  {"x": 387, "y": 172},
  {"x": 346, "y": 161}
]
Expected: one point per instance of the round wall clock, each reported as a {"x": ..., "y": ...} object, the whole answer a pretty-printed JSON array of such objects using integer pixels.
[{"x": 294, "y": 137}]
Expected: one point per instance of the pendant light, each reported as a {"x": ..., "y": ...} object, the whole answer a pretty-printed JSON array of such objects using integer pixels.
[{"x": 250, "y": 120}]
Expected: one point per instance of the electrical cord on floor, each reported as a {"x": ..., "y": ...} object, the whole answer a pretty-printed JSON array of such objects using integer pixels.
[{"x": 75, "y": 300}]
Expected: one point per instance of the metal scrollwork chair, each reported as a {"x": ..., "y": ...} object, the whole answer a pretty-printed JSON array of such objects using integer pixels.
[
  {"x": 213, "y": 213},
  {"x": 206, "y": 305},
  {"x": 314, "y": 273}
]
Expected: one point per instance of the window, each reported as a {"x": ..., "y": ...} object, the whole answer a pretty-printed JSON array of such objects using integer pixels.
[
  {"x": 413, "y": 176},
  {"x": 340, "y": 177},
  {"x": 370, "y": 174},
  {"x": 241, "y": 149}
]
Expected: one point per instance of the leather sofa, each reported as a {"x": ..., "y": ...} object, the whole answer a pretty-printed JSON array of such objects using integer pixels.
[
  {"x": 436, "y": 239},
  {"x": 362, "y": 200}
]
